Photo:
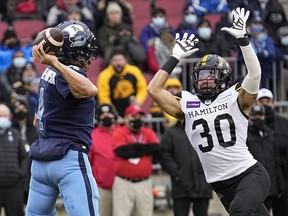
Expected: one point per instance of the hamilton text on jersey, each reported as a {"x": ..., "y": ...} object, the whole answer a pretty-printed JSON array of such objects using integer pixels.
[{"x": 200, "y": 112}]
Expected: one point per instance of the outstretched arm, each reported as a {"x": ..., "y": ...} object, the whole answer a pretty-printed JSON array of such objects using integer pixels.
[
  {"x": 183, "y": 48},
  {"x": 251, "y": 82}
]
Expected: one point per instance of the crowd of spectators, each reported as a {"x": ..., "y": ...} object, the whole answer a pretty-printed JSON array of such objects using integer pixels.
[{"x": 129, "y": 57}]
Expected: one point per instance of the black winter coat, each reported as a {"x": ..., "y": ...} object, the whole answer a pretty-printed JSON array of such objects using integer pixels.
[
  {"x": 13, "y": 159},
  {"x": 278, "y": 124},
  {"x": 261, "y": 144},
  {"x": 181, "y": 162}
]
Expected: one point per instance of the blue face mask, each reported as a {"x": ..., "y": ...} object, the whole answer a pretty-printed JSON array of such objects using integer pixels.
[
  {"x": 190, "y": 18},
  {"x": 5, "y": 123},
  {"x": 19, "y": 62},
  {"x": 205, "y": 33},
  {"x": 158, "y": 21},
  {"x": 262, "y": 37},
  {"x": 257, "y": 28}
]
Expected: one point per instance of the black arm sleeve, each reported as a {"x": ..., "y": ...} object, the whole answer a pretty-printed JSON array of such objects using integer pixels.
[
  {"x": 135, "y": 150},
  {"x": 129, "y": 151},
  {"x": 149, "y": 148}
]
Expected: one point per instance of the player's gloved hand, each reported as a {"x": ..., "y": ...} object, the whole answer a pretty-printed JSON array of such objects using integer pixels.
[
  {"x": 184, "y": 47},
  {"x": 240, "y": 17}
]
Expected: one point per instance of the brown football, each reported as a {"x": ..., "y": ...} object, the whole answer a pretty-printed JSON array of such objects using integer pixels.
[{"x": 51, "y": 38}]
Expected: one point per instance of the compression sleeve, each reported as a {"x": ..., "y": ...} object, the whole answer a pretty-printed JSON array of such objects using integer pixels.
[{"x": 251, "y": 81}]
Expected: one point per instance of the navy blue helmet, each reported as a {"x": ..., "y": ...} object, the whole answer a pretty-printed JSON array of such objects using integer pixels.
[{"x": 79, "y": 41}]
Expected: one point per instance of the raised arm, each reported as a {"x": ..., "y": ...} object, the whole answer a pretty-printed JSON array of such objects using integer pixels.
[
  {"x": 251, "y": 82},
  {"x": 183, "y": 48},
  {"x": 80, "y": 86}
]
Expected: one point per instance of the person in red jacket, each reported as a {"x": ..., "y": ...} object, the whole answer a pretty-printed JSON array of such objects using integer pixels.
[
  {"x": 134, "y": 146},
  {"x": 101, "y": 155}
]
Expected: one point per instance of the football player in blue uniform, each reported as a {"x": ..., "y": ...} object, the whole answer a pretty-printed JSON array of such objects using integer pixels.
[
  {"x": 216, "y": 120},
  {"x": 64, "y": 120}
]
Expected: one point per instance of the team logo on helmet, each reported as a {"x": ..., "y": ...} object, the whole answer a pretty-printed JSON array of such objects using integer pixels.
[{"x": 77, "y": 35}]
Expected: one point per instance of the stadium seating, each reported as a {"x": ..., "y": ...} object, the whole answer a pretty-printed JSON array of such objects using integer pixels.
[
  {"x": 25, "y": 28},
  {"x": 95, "y": 68},
  {"x": 174, "y": 10},
  {"x": 141, "y": 14},
  {"x": 213, "y": 19},
  {"x": 3, "y": 27}
]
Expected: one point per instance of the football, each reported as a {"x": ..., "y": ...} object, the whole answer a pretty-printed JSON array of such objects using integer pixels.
[{"x": 51, "y": 39}]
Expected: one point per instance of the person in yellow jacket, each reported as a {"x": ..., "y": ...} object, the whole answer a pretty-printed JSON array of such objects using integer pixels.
[
  {"x": 121, "y": 84},
  {"x": 172, "y": 85}
]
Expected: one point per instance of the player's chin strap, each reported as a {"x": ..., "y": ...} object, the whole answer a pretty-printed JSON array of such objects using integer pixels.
[{"x": 251, "y": 81}]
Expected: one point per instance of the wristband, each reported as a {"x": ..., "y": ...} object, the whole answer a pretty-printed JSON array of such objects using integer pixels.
[
  {"x": 243, "y": 41},
  {"x": 170, "y": 64}
]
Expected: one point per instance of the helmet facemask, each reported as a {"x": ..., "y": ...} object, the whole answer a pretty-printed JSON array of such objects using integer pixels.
[{"x": 211, "y": 78}]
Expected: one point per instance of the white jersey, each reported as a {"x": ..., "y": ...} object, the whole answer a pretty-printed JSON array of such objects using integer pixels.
[{"x": 218, "y": 133}]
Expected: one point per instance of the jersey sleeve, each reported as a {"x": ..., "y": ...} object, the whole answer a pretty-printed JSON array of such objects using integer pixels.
[{"x": 62, "y": 85}]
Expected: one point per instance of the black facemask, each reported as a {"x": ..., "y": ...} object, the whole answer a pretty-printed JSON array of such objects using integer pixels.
[
  {"x": 268, "y": 109},
  {"x": 258, "y": 124},
  {"x": 136, "y": 124},
  {"x": 21, "y": 115},
  {"x": 107, "y": 121},
  {"x": 269, "y": 114}
]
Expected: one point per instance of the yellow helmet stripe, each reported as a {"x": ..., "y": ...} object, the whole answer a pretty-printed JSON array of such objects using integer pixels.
[{"x": 204, "y": 59}]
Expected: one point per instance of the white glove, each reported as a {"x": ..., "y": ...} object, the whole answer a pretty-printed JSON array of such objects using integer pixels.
[
  {"x": 240, "y": 17},
  {"x": 184, "y": 47}
]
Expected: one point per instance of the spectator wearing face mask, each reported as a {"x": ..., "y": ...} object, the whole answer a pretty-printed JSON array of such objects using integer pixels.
[
  {"x": 28, "y": 75},
  {"x": 152, "y": 29},
  {"x": 22, "y": 121},
  {"x": 261, "y": 144},
  {"x": 11, "y": 78},
  {"x": 278, "y": 125},
  {"x": 121, "y": 84},
  {"x": 265, "y": 49},
  {"x": 101, "y": 155},
  {"x": 275, "y": 19},
  {"x": 22, "y": 86},
  {"x": 210, "y": 42},
  {"x": 9, "y": 44},
  {"x": 189, "y": 21},
  {"x": 13, "y": 165},
  {"x": 282, "y": 40},
  {"x": 134, "y": 146}
]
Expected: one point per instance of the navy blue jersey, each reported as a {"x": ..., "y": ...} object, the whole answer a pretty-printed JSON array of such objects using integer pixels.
[{"x": 62, "y": 119}]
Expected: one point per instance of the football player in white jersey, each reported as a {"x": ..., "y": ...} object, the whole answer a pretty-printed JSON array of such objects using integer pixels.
[{"x": 216, "y": 119}]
